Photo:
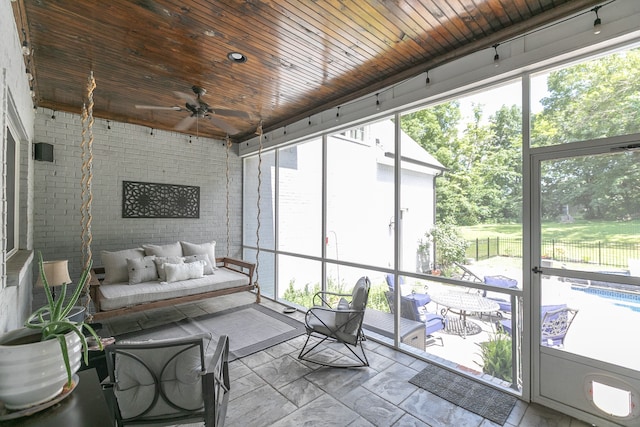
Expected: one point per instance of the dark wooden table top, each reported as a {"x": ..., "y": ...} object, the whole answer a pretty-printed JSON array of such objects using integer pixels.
[{"x": 85, "y": 406}]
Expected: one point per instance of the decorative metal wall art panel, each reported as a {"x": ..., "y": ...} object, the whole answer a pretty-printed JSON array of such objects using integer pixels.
[{"x": 151, "y": 200}]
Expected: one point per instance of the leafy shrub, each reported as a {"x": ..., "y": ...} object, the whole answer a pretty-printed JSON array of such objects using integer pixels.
[
  {"x": 496, "y": 356},
  {"x": 450, "y": 246},
  {"x": 304, "y": 296}
]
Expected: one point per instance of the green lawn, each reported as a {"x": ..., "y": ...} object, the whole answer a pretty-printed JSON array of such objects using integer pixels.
[{"x": 580, "y": 230}]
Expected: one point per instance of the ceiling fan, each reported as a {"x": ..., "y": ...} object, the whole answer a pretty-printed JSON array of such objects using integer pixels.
[{"x": 199, "y": 109}]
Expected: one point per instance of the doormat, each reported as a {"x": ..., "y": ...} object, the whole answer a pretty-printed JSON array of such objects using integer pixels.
[
  {"x": 492, "y": 404},
  {"x": 251, "y": 328}
]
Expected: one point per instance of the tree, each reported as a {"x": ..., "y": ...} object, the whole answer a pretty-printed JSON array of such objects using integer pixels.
[{"x": 594, "y": 99}]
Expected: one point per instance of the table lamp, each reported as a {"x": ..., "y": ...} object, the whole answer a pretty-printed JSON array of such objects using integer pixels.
[{"x": 57, "y": 274}]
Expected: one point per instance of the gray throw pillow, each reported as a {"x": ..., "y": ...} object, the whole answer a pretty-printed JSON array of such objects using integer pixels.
[
  {"x": 172, "y": 249},
  {"x": 115, "y": 264},
  {"x": 208, "y": 267},
  {"x": 208, "y": 249},
  {"x": 180, "y": 272},
  {"x": 142, "y": 269},
  {"x": 160, "y": 265}
]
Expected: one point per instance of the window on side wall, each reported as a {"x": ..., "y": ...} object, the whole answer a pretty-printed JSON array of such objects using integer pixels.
[{"x": 12, "y": 180}]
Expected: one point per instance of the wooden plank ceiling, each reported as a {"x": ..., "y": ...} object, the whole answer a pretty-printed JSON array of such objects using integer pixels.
[{"x": 304, "y": 56}]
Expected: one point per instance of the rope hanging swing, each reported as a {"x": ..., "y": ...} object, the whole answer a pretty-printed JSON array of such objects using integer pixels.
[
  {"x": 260, "y": 134},
  {"x": 86, "y": 194}
]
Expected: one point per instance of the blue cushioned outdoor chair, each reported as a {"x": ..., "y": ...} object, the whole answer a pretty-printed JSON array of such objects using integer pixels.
[{"x": 409, "y": 309}]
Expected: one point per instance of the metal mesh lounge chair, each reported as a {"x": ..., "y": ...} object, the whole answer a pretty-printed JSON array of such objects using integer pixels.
[{"x": 341, "y": 321}]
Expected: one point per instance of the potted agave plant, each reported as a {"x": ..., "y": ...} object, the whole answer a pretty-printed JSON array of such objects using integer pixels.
[{"x": 39, "y": 360}]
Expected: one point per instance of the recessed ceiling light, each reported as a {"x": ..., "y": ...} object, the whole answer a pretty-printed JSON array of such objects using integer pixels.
[{"x": 236, "y": 57}]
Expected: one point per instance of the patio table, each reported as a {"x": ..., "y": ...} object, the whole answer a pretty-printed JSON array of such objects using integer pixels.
[{"x": 464, "y": 303}]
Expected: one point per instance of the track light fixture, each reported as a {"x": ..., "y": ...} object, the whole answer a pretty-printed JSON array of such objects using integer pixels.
[
  {"x": 338, "y": 114},
  {"x": 108, "y": 125},
  {"x": 53, "y": 115},
  {"x": 496, "y": 57},
  {"x": 309, "y": 121},
  {"x": 597, "y": 24},
  {"x": 151, "y": 133},
  {"x": 428, "y": 80},
  {"x": 377, "y": 102}
]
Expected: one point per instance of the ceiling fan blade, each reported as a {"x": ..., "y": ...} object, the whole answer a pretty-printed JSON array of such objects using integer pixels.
[
  {"x": 223, "y": 125},
  {"x": 230, "y": 113},
  {"x": 185, "y": 96},
  {"x": 155, "y": 107},
  {"x": 185, "y": 123}
]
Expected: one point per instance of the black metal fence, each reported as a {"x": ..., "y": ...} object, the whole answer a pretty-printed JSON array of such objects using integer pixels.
[{"x": 597, "y": 252}]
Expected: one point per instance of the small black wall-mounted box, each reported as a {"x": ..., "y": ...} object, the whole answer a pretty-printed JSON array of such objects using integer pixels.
[{"x": 43, "y": 152}]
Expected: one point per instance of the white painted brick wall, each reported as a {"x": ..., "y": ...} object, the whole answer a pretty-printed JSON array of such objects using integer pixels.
[
  {"x": 14, "y": 88},
  {"x": 128, "y": 152}
]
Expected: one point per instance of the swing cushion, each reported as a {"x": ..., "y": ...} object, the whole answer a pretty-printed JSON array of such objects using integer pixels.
[{"x": 119, "y": 295}]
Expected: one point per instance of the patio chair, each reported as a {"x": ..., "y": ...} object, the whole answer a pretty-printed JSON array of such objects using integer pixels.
[
  {"x": 556, "y": 321},
  {"x": 406, "y": 289},
  {"x": 501, "y": 282},
  {"x": 467, "y": 274},
  {"x": 340, "y": 322},
  {"x": 168, "y": 382},
  {"x": 409, "y": 309}
]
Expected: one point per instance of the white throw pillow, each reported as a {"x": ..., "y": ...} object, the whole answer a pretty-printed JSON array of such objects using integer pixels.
[
  {"x": 142, "y": 269},
  {"x": 208, "y": 249},
  {"x": 172, "y": 249},
  {"x": 115, "y": 264},
  {"x": 178, "y": 272},
  {"x": 161, "y": 261},
  {"x": 208, "y": 267}
]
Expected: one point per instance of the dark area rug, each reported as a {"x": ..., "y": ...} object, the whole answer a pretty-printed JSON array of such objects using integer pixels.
[
  {"x": 250, "y": 328},
  {"x": 480, "y": 399}
]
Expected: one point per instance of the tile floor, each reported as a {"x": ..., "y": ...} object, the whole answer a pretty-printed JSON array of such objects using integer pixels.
[{"x": 274, "y": 388}]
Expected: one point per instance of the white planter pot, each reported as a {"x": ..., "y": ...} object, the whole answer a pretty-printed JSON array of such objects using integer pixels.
[{"x": 33, "y": 373}]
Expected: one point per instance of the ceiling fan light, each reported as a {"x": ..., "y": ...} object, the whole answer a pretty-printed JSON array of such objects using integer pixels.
[{"x": 237, "y": 57}]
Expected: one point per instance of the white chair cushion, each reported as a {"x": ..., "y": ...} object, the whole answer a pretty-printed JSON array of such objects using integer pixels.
[{"x": 180, "y": 380}]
